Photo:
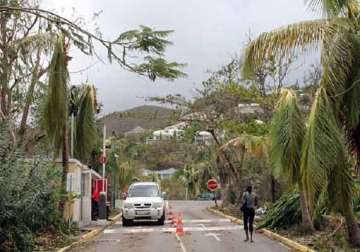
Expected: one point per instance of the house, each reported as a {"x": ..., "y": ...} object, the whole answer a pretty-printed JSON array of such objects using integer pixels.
[
  {"x": 79, "y": 185},
  {"x": 175, "y": 131},
  {"x": 163, "y": 174},
  {"x": 249, "y": 108},
  {"x": 136, "y": 130},
  {"x": 203, "y": 138}
]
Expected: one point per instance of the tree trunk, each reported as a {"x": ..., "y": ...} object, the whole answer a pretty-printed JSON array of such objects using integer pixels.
[
  {"x": 28, "y": 101},
  {"x": 231, "y": 166},
  {"x": 356, "y": 148},
  {"x": 353, "y": 229},
  {"x": 29, "y": 97},
  {"x": 65, "y": 165},
  {"x": 305, "y": 213},
  {"x": 272, "y": 188}
]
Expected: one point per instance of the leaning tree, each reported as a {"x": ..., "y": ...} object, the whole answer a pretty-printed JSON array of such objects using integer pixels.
[
  {"x": 60, "y": 33},
  {"x": 332, "y": 133}
]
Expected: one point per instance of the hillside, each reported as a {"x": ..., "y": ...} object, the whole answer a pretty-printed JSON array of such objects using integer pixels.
[{"x": 146, "y": 117}]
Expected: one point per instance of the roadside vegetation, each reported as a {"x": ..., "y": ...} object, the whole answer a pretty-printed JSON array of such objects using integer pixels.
[
  {"x": 296, "y": 142},
  {"x": 37, "y": 99}
]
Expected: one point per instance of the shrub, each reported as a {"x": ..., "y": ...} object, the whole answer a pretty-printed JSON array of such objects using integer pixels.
[{"x": 29, "y": 190}]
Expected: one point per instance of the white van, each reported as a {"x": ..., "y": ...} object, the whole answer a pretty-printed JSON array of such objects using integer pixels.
[{"x": 144, "y": 201}]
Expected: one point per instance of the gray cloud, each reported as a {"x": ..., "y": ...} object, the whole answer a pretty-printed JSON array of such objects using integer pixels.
[{"x": 207, "y": 33}]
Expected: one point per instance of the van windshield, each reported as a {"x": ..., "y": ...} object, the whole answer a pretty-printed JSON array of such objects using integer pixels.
[{"x": 144, "y": 191}]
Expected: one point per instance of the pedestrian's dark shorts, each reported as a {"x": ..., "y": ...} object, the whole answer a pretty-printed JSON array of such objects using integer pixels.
[{"x": 249, "y": 215}]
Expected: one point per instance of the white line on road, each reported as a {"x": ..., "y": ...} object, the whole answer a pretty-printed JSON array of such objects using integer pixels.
[
  {"x": 203, "y": 227},
  {"x": 171, "y": 230},
  {"x": 206, "y": 220},
  {"x": 181, "y": 243},
  {"x": 216, "y": 236},
  {"x": 193, "y": 221}
]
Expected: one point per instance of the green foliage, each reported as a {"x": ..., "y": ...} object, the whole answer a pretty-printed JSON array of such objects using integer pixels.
[
  {"x": 356, "y": 200},
  {"x": 126, "y": 174},
  {"x": 160, "y": 68},
  {"x": 174, "y": 189},
  {"x": 145, "y": 40},
  {"x": 324, "y": 161},
  {"x": 251, "y": 127},
  {"x": 55, "y": 115},
  {"x": 287, "y": 132},
  {"x": 29, "y": 190},
  {"x": 86, "y": 128},
  {"x": 331, "y": 8},
  {"x": 284, "y": 213},
  {"x": 249, "y": 156},
  {"x": 149, "y": 42}
]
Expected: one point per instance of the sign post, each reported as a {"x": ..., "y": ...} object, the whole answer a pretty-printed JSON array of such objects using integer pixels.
[
  {"x": 103, "y": 200},
  {"x": 212, "y": 185}
]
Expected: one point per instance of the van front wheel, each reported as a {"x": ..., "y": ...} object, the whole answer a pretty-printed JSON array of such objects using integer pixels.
[
  {"x": 161, "y": 221},
  {"x": 126, "y": 222}
]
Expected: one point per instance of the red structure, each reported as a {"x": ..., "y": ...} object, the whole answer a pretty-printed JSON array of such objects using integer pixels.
[{"x": 97, "y": 188}]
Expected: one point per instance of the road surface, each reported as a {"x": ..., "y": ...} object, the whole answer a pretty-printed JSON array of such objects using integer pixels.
[{"x": 204, "y": 231}]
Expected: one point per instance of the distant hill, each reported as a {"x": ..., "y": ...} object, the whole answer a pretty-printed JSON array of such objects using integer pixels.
[{"x": 146, "y": 117}]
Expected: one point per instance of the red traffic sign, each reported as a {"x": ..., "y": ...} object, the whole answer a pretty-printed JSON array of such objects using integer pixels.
[
  {"x": 212, "y": 185},
  {"x": 103, "y": 159}
]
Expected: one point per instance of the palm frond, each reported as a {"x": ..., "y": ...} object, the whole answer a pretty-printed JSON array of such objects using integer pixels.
[
  {"x": 352, "y": 88},
  {"x": 283, "y": 41},
  {"x": 125, "y": 174},
  {"x": 39, "y": 40},
  {"x": 56, "y": 104},
  {"x": 337, "y": 60},
  {"x": 324, "y": 148},
  {"x": 332, "y": 8},
  {"x": 287, "y": 132},
  {"x": 86, "y": 129},
  {"x": 341, "y": 187}
]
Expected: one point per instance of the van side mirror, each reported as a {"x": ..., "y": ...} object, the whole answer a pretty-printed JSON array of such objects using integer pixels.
[{"x": 163, "y": 195}]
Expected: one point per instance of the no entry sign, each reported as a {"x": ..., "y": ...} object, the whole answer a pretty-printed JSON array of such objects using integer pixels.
[{"x": 212, "y": 185}]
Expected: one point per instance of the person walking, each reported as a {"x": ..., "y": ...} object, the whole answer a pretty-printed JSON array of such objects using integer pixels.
[{"x": 249, "y": 203}]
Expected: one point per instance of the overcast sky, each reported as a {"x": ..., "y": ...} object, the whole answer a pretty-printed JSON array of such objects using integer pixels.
[{"x": 207, "y": 33}]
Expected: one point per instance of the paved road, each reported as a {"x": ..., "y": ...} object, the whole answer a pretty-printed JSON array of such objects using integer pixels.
[{"x": 204, "y": 231}]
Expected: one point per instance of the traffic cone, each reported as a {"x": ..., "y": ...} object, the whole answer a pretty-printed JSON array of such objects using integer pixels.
[{"x": 179, "y": 226}]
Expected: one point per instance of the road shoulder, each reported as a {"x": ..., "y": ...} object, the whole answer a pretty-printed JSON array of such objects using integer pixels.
[
  {"x": 90, "y": 235},
  {"x": 295, "y": 246}
]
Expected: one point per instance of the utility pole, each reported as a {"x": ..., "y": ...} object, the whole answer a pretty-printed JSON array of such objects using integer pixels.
[
  {"x": 102, "y": 201},
  {"x": 73, "y": 112},
  {"x": 104, "y": 156},
  {"x": 72, "y": 136}
]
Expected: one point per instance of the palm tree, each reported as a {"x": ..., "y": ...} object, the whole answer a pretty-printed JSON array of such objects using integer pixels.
[
  {"x": 239, "y": 149},
  {"x": 287, "y": 134},
  {"x": 55, "y": 116},
  {"x": 190, "y": 179},
  {"x": 86, "y": 128},
  {"x": 334, "y": 122},
  {"x": 126, "y": 175}
]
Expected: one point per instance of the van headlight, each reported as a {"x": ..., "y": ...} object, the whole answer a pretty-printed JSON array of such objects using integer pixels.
[
  {"x": 158, "y": 205},
  {"x": 128, "y": 205}
]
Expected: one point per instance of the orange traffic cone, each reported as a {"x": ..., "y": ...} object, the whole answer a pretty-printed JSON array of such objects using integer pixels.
[{"x": 179, "y": 226}]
